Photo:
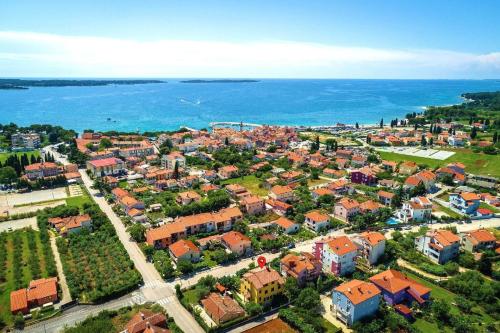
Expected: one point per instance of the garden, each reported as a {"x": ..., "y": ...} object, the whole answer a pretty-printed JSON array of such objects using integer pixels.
[
  {"x": 25, "y": 255},
  {"x": 96, "y": 265}
]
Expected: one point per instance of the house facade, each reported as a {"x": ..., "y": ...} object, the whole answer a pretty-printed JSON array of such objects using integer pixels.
[
  {"x": 355, "y": 300},
  {"x": 337, "y": 255},
  {"x": 439, "y": 246}
]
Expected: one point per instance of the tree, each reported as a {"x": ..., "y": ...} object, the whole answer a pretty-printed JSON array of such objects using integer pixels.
[
  {"x": 423, "y": 141},
  {"x": 382, "y": 123},
  {"x": 7, "y": 175},
  {"x": 495, "y": 137},
  {"x": 253, "y": 309},
  {"x": 105, "y": 143},
  {"x": 19, "y": 321},
  {"x": 441, "y": 310},
  {"x": 291, "y": 289},
  {"x": 473, "y": 133},
  {"x": 308, "y": 299},
  {"x": 184, "y": 266},
  {"x": 484, "y": 264},
  {"x": 137, "y": 231},
  {"x": 176, "y": 170},
  {"x": 357, "y": 125}
]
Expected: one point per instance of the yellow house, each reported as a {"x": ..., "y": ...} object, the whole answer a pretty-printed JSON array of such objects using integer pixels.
[{"x": 260, "y": 285}]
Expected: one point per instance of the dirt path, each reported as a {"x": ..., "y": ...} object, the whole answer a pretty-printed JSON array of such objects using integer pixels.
[
  {"x": 404, "y": 263},
  {"x": 66, "y": 295}
]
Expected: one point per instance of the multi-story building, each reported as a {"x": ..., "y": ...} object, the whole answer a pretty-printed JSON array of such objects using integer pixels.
[
  {"x": 355, "y": 300},
  {"x": 106, "y": 167},
  {"x": 42, "y": 170},
  {"x": 184, "y": 250},
  {"x": 253, "y": 205},
  {"x": 281, "y": 193},
  {"x": 169, "y": 161},
  {"x": 237, "y": 243},
  {"x": 337, "y": 255},
  {"x": 185, "y": 226},
  {"x": 438, "y": 245},
  {"x": 466, "y": 202},
  {"x": 346, "y": 208},
  {"x": 364, "y": 176},
  {"x": 28, "y": 141},
  {"x": 418, "y": 209},
  {"x": 371, "y": 245},
  {"x": 260, "y": 285}
]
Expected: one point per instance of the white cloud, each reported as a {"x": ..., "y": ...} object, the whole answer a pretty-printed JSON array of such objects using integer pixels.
[{"x": 39, "y": 54}]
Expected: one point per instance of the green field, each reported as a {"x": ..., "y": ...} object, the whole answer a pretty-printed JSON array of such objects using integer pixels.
[
  {"x": 24, "y": 250},
  {"x": 4, "y": 156},
  {"x": 481, "y": 164},
  {"x": 250, "y": 182}
]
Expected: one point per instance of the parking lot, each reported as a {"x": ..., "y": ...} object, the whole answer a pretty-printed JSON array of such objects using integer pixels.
[
  {"x": 417, "y": 151},
  {"x": 16, "y": 203}
]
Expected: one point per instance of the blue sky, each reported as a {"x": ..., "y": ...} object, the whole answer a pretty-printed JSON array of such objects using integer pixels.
[{"x": 358, "y": 39}]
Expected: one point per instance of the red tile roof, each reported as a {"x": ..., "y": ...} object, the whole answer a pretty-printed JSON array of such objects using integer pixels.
[{"x": 358, "y": 291}]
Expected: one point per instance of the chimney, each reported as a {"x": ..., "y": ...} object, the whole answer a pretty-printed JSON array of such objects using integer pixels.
[
  {"x": 148, "y": 325},
  {"x": 142, "y": 316}
]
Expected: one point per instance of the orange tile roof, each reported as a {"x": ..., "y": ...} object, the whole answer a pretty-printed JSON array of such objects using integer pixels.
[
  {"x": 369, "y": 206},
  {"x": 18, "y": 300},
  {"x": 395, "y": 281},
  {"x": 348, "y": 203},
  {"x": 412, "y": 180},
  {"x": 373, "y": 237},
  {"x": 341, "y": 245},
  {"x": 323, "y": 191},
  {"x": 385, "y": 194},
  {"x": 219, "y": 306},
  {"x": 317, "y": 216},
  {"x": 278, "y": 189},
  {"x": 234, "y": 238},
  {"x": 42, "y": 288},
  {"x": 140, "y": 320},
  {"x": 260, "y": 277},
  {"x": 469, "y": 196},
  {"x": 481, "y": 235},
  {"x": 445, "y": 237},
  {"x": 251, "y": 199},
  {"x": 284, "y": 222},
  {"x": 182, "y": 247},
  {"x": 358, "y": 291}
]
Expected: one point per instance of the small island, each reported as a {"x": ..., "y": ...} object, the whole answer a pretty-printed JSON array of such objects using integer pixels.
[
  {"x": 219, "y": 81},
  {"x": 24, "y": 84}
]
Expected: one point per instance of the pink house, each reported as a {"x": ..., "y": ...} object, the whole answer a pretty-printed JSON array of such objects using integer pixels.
[{"x": 346, "y": 208}]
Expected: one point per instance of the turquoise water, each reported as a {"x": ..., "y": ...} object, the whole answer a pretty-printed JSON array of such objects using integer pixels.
[
  {"x": 392, "y": 221},
  {"x": 169, "y": 105}
]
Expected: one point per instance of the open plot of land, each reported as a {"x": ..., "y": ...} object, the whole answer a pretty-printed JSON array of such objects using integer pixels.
[
  {"x": 341, "y": 141},
  {"x": 24, "y": 255},
  {"x": 250, "y": 182},
  {"x": 480, "y": 164},
  {"x": 417, "y": 151},
  {"x": 19, "y": 224},
  {"x": 21, "y": 199}
]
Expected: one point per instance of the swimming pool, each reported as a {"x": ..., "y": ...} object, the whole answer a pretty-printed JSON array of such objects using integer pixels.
[{"x": 392, "y": 221}]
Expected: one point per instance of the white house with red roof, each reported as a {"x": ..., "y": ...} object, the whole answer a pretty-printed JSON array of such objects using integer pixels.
[
  {"x": 438, "y": 245},
  {"x": 106, "y": 167},
  {"x": 371, "y": 245},
  {"x": 316, "y": 221},
  {"x": 337, "y": 255}
]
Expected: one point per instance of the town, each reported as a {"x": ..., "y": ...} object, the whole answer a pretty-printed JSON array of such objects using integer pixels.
[{"x": 252, "y": 228}]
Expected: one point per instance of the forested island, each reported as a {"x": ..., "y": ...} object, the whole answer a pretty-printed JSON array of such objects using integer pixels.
[
  {"x": 24, "y": 84},
  {"x": 219, "y": 81}
]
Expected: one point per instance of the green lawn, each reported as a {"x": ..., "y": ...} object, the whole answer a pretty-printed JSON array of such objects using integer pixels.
[
  {"x": 475, "y": 163},
  {"x": 314, "y": 182},
  {"x": 79, "y": 201},
  {"x": 447, "y": 211},
  {"x": 485, "y": 205},
  {"x": 329, "y": 327},
  {"x": 249, "y": 182},
  {"x": 4, "y": 156}
]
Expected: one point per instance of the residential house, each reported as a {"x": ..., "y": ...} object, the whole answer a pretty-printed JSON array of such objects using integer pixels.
[
  {"x": 279, "y": 207},
  {"x": 478, "y": 240},
  {"x": 438, "y": 245},
  {"x": 304, "y": 267},
  {"x": 466, "y": 202},
  {"x": 346, "y": 208},
  {"x": 228, "y": 171},
  {"x": 260, "y": 285},
  {"x": 316, "y": 221},
  {"x": 364, "y": 176},
  {"x": 281, "y": 193},
  {"x": 106, "y": 167},
  {"x": 337, "y": 255},
  {"x": 390, "y": 166},
  {"x": 291, "y": 176},
  {"x": 417, "y": 209},
  {"x": 253, "y": 205},
  {"x": 25, "y": 141},
  {"x": 237, "y": 243},
  {"x": 385, "y": 197},
  {"x": 146, "y": 321},
  {"x": 237, "y": 191},
  {"x": 339, "y": 187},
  {"x": 185, "y": 198},
  {"x": 321, "y": 191},
  {"x": 408, "y": 168},
  {"x": 184, "y": 250},
  {"x": 369, "y": 206},
  {"x": 371, "y": 245},
  {"x": 71, "y": 224},
  {"x": 355, "y": 300},
  {"x": 222, "y": 308},
  {"x": 38, "y": 293},
  {"x": 286, "y": 225}
]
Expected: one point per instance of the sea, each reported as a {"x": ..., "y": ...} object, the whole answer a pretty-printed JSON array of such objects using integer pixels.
[{"x": 170, "y": 105}]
